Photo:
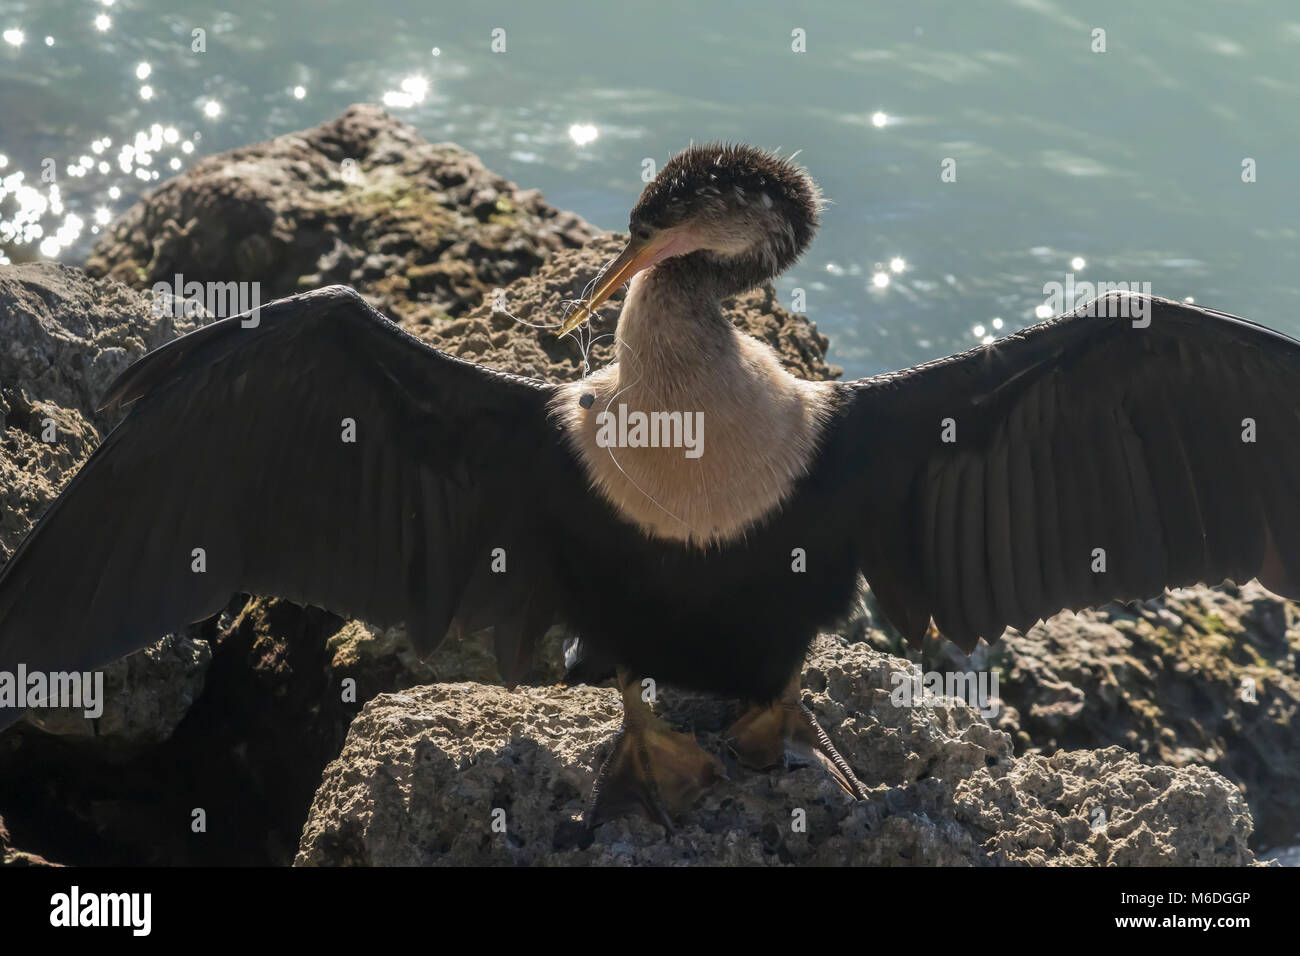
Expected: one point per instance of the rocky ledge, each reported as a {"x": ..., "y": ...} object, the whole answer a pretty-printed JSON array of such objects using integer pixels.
[
  {"x": 464, "y": 773},
  {"x": 243, "y": 715}
]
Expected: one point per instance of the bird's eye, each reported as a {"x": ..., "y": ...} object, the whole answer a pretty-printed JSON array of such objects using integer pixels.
[{"x": 642, "y": 232}]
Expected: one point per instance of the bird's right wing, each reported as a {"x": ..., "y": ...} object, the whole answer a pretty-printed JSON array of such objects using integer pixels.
[
  {"x": 1132, "y": 445},
  {"x": 323, "y": 455}
]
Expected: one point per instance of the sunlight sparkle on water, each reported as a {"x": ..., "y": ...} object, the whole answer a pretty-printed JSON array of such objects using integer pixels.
[
  {"x": 1077, "y": 263},
  {"x": 211, "y": 109},
  {"x": 897, "y": 264},
  {"x": 880, "y": 280},
  {"x": 299, "y": 92},
  {"x": 103, "y": 22},
  {"x": 879, "y": 119},
  {"x": 583, "y": 133},
  {"x": 35, "y": 215},
  {"x": 415, "y": 87},
  {"x": 14, "y": 37},
  {"x": 413, "y": 90}
]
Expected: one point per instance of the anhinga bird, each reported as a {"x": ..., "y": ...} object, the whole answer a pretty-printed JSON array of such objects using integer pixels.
[{"x": 1088, "y": 458}]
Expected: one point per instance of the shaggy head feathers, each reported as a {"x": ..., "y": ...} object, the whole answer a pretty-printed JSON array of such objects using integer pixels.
[{"x": 741, "y": 202}]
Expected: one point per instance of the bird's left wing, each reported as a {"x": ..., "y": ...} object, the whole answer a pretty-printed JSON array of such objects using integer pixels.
[
  {"x": 1132, "y": 445},
  {"x": 321, "y": 454}
]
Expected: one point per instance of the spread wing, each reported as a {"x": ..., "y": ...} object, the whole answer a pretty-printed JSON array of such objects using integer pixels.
[
  {"x": 1101, "y": 455},
  {"x": 323, "y": 455}
]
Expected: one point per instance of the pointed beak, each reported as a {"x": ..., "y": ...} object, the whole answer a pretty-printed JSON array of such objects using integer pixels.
[{"x": 637, "y": 255}]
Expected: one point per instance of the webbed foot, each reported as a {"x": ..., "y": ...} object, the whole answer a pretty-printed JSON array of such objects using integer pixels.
[{"x": 652, "y": 769}]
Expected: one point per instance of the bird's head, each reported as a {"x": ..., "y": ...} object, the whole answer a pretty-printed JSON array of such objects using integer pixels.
[{"x": 744, "y": 214}]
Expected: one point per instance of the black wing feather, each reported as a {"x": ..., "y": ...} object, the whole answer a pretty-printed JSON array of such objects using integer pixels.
[
  {"x": 1088, "y": 431},
  {"x": 233, "y": 444}
]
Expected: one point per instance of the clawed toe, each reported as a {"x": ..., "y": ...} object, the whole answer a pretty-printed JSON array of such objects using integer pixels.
[{"x": 786, "y": 733}]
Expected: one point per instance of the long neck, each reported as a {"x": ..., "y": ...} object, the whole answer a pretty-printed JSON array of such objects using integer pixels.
[{"x": 672, "y": 328}]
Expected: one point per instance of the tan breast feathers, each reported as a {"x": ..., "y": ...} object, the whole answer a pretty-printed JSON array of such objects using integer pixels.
[{"x": 694, "y": 451}]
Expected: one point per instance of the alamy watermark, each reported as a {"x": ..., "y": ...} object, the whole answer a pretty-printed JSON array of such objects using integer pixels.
[
  {"x": 75, "y": 908},
  {"x": 930, "y": 689},
  {"x": 637, "y": 429},
  {"x": 221, "y": 299},
  {"x": 1095, "y": 299},
  {"x": 73, "y": 690}
]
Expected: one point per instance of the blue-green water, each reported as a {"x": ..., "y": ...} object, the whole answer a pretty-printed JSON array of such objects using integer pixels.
[{"x": 1128, "y": 159}]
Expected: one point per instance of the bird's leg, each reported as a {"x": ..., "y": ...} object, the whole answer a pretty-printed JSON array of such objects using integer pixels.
[
  {"x": 785, "y": 732},
  {"x": 652, "y": 769}
]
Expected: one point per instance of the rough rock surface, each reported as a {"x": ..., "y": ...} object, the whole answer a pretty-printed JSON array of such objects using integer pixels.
[
  {"x": 470, "y": 774},
  {"x": 63, "y": 339},
  {"x": 1196, "y": 677},
  {"x": 1199, "y": 676},
  {"x": 424, "y": 230}
]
